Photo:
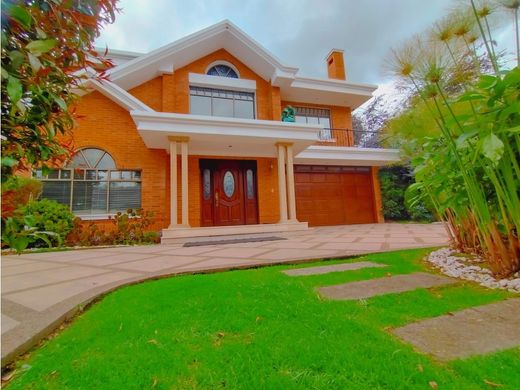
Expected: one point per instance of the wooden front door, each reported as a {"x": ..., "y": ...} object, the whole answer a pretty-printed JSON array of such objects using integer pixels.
[{"x": 228, "y": 192}]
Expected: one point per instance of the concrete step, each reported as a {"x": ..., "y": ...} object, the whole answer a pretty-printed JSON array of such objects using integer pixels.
[{"x": 181, "y": 235}]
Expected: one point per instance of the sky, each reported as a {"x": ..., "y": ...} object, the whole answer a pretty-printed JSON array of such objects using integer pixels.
[{"x": 299, "y": 32}]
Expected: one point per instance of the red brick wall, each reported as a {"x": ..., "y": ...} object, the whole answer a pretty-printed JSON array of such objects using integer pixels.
[
  {"x": 150, "y": 93},
  {"x": 104, "y": 124},
  {"x": 176, "y": 86}
]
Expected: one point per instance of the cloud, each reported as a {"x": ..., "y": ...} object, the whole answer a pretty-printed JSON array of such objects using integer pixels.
[{"x": 298, "y": 32}]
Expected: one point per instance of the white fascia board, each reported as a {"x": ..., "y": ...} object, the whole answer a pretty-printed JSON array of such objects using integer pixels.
[
  {"x": 187, "y": 124},
  {"x": 154, "y": 57},
  {"x": 345, "y": 155},
  {"x": 259, "y": 49},
  {"x": 145, "y": 67},
  {"x": 337, "y": 86},
  {"x": 281, "y": 78},
  {"x": 124, "y": 54},
  {"x": 203, "y": 80},
  {"x": 118, "y": 95}
]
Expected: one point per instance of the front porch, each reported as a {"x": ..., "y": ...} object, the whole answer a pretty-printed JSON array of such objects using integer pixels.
[
  {"x": 228, "y": 176},
  {"x": 232, "y": 176},
  {"x": 201, "y": 205}
]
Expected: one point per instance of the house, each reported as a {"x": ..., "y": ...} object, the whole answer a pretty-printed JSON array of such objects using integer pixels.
[{"x": 192, "y": 131}]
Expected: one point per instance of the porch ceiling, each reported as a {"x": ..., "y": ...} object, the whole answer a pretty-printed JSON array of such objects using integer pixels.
[{"x": 218, "y": 136}]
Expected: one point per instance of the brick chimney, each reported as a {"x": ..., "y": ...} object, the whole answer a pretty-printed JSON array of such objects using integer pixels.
[{"x": 336, "y": 65}]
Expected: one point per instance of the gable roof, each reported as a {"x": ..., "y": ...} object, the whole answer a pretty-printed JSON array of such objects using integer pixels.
[
  {"x": 135, "y": 69},
  {"x": 223, "y": 35}
]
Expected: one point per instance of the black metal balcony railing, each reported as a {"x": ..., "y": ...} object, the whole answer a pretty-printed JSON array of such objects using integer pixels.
[{"x": 350, "y": 137}]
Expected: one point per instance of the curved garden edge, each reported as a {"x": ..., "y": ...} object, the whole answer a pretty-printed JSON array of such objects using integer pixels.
[
  {"x": 66, "y": 311},
  {"x": 38, "y": 308},
  {"x": 466, "y": 267}
]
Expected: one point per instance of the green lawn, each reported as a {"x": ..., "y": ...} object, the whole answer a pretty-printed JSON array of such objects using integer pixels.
[{"x": 260, "y": 329}]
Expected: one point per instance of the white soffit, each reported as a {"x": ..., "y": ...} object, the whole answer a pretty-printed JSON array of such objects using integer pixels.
[
  {"x": 346, "y": 155},
  {"x": 203, "y": 80},
  {"x": 118, "y": 57},
  {"x": 327, "y": 91}
]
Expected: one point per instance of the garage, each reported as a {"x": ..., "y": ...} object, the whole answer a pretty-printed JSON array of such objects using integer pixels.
[{"x": 334, "y": 195}]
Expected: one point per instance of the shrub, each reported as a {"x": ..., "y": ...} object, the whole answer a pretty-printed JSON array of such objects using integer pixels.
[
  {"x": 50, "y": 216},
  {"x": 126, "y": 228},
  {"x": 18, "y": 191},
  {"x": 394, "y": 181}
]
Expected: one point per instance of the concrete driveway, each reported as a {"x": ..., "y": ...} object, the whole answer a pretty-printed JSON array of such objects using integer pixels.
[{"x": 41, "y": 290}]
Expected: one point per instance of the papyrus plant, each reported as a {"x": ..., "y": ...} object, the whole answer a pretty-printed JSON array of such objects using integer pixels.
[{"x": 469, "y": 168}]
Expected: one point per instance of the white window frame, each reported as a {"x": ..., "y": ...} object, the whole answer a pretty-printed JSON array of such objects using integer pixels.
[{"x": 255, "y": 110}]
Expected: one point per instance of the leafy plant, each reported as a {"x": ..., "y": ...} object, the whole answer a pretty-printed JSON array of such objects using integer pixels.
[
  {"x": 469, "y": 171},
  {"x": 16, "y": 192},
  {"x": 44, "y": 45},
  {"x": 127, "y": 228},
  {"x": 50, "y": 216},
  {"x": 130, "y": 227},
  {"x": 19, "y": 232}
]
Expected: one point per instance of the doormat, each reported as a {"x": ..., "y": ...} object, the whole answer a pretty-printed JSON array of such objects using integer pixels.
[{"x": 233, "y": 241}]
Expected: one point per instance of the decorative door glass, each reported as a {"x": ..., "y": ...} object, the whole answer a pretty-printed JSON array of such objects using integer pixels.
[
  {"x": 250, "y": 184},
  {"x": 228, "y": 183},
  {"x": 206, "y": 178}
]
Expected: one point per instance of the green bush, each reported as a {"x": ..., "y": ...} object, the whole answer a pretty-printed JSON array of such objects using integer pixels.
[
  {"x": 394, "y": 181},
  {"x": 50, "y": 216}
]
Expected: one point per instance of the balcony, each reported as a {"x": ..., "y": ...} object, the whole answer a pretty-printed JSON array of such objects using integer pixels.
[
  {"x": 348, "y": 137},
  {"x": 223, "y": 136},
  {"x": 348, "y": 147}
]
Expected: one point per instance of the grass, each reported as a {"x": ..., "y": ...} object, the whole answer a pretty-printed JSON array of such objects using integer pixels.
[{"x": 262, "y": 329}]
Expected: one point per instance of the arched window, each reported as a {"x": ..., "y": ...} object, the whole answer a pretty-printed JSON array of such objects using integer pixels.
[
  {"x": 92, "y": 185},
  {"x": 92, "y": 158},
  {"x": 222, "y": 71}
]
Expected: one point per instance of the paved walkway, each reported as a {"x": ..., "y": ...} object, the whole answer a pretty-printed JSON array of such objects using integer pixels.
[
  {"x": 41, "y": 290},
  {"x": 381, "y": 286},
  {"x": 326, "y": 269},
  {"x": 477, "y": 330}
]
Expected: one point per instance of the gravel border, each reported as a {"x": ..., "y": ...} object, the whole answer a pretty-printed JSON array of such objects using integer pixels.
[{"x": 467, "y": 268}]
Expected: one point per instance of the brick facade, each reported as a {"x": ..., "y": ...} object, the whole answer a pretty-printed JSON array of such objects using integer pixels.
[{"x": 104, "y": 124}]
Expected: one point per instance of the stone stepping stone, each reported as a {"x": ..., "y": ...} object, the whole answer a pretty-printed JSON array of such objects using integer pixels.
[
  {"x": 332, "y": 268},
  {"x": 381, "y": 286},
  {"x": 474, "y": 331}
]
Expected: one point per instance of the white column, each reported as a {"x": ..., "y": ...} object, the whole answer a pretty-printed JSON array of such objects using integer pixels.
[
  {"x": 184, "y": 182},
  {"x": 282, "y": 191},
  {"x": 173, "y": 183},
  {"x": 291, "y": 195}
]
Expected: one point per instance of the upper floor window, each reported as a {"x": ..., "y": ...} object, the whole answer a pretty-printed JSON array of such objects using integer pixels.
[
  {"x": 222, "y": 71},
  {"x": 315, "y": 116},
  {"x": 91, "y": 184},
  {"x": 219, "y": 102}
]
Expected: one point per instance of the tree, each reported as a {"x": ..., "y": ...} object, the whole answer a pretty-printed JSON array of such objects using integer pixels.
[{"x": 45, "y": 45}]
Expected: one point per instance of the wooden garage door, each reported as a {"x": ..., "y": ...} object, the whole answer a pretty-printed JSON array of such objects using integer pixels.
[{"x": 328, "y": 195}]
